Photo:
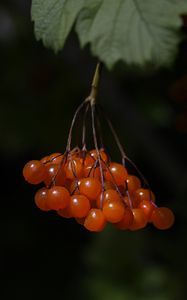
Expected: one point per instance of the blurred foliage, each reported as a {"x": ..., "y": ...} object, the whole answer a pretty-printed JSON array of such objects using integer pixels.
[{"x": 44, "y": 255}]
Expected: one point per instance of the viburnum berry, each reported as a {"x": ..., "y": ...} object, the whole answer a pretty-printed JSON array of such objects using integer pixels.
[
  {"x": 133, "y": 183},
  {"x": 162, "y": 218},
  {"x": 55, "y": 174},
  {"x": 126, "y": 221},
  {"x": 139, "y": 220},
  {"x": 41, "y": 199},
  {"x": 73, "y": 169},
  {"x": 34, "y": 172},
  {"x": 90, "y": 187},
  {"x": 113, "y": 211},
  {"x": 79, "y": 206},
  {"x": 95, "y": 220},
  {"x": 148, "y": 207},
  {"x": 116, "y": 173},
  {"x": 144, "y": 194},
  {"x": 58, "y": 197}
]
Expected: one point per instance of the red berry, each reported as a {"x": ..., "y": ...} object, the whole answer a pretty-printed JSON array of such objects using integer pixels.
[
  {"x": 113, "y": 211},
  {"x": 103, "y": 155},
  {"x": 55, "y": 158},
  {"x": 41, "y": 199},
  {"x": 133, "y": 183},
  {"x": 119, "y": 173},
  {"x": 95, "y": 220},
  {"x": 162, "y": 218},
  {"x": 144, "y": 194},
  {"x": 65, "y": 213},
  {"x": 127, "y": 220},
  {"x": 79, "y": 206},
  {"x": 34, "y": 172},
  {"x": 90, "y": 187},
  {"x": 147, "y": 206},
  {"x": 56, "y": 174},
  {"x": 58, "y": 198},
  {"x": 108, "y": 195},
  {"x": 140, "y": 219},
  {"x": 73, "y": 169}
]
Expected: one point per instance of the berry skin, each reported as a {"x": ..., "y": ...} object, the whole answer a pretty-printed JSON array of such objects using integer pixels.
[
  {"x": 34, "y": 172},
  {"x": 40, "y": 199},
  {"x": 79, "y": 206},
  {"x": 95, "y": 220},
  {"x": 108, "y": 195},
  {"x": 162, "y": 218},
  {"x": 65, "y": 213},
  {"x": 127, "y": 220},
  {"x": 54, "y": 173},
  {"x": 148, "y": 207},
  {"x": 133, "y": 183},
  {"x": 55, "y": 158},
  {"x": 140, "y": 219},
  {"x": 58, "y": 198},
  {"x": 144, "y": 194},
  {"x": 119, "y": 173},
  {"x": 113, "y": 211},
  {"x": 90, "y": 187},
  {"x": 102, "y": 153},
  {"x": 90, "y": 171},
  {"x": 73, "y": 169}
]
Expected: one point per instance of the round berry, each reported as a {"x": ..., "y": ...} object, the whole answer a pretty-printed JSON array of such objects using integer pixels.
[
  {"x": 116, "y": 173},
  {"x": 79, "y": 206},
  {"x": 140, "y": 219},
  {"x": 58, "y": 198},
  {"x": 34, "y": 172},
  {"x": 162, "y": 218},
  {"x": 90, "y": 187},
  {"x": 144, "y": 194},
  {"x": 113, "y": 211},
  {"x": 73, "y": 169},
  {"x": 65, "y": 212},
  {"x": 126, "y": 221},
  {"x": 95, "y": 220},
  {"x": 40, "y": 199},
  {"x": 133, "y": 183},
  {"x": 147, "y": 206}
]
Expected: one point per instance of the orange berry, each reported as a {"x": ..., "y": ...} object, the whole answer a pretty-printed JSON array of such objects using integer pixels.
[
  {"x": 65, "y": 213},
  {"x": 162, "y": 218},
  {"x": 126, "y": 221},
  {"x": 40, "y": 199},
  {"x": 90, "y": 187},
  {"x": 58, "y": 198},
  {"x": 103, "y": 155},
  {"x": 116, "y": 173},
  {"x": 113, "y": 211},
  {"x": 73, "y": 169},
  {"x": 133, "y": 183},
  {"x": 34, "y": 172},
  {"x": 54, "y": 172},
  {"x": 140, "y": 219},
  {"x": 144, "y": 194},
  {"x": 108, "y": 195},
  {"x": 95, "y": 220},
  {"x": 56, "y": 158},
  {"x": 90, "y": 171},
  {"x": 148, "y": 207},
  {"x": 79, "y": 206}
]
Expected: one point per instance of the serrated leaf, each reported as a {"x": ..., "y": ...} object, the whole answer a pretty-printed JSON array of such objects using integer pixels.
[
  {"x": 53, "y": 20},
  {"x": 133, "y": 31}
]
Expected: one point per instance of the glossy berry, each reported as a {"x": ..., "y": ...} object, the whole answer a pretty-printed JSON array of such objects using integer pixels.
[
  {"x": 55, "y": 174},
  {"x": 108, "y": 195},
  {"x": 126, "y": 221},
  {"x": 34, "y": 172},
  {"x": 144, "y": 194},
  {"x": 95, "y": 220},
  {"x": 113, "y": 211},
  {"x": 73, "y": 169},
  {"x": 140, "y": 219},
  {"x": 41, "y": 199},
  {"x": 162, "y": 218},
  {"x": 132, "y": 183},
  {"x": 55, "y": 158},
  {"x": 58, "y": 198},
  {"x": 90, "y": 187},
  {"x": 65, "y": 213},
  {"x": 116, "y": 173},
  {"x": 148, "y": 207},
  {"x": 102, "y": 153},
  {"x": 79, "y": 206}
]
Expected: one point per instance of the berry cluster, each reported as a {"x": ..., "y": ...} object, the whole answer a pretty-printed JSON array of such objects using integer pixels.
[{"x": 88, "y": 186}]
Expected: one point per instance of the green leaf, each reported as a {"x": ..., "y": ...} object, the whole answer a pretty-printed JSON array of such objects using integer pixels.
[
  {"x": 138, "y": 32},
  {"x": 134, "y": 31},
  {"x": 54, "y": 20}
]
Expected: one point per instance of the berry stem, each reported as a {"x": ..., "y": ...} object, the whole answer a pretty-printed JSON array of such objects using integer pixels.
[{"x": 95, "y": 83}]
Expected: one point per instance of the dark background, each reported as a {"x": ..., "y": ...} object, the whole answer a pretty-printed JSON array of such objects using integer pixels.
[{"x": 44, "y": 256}]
